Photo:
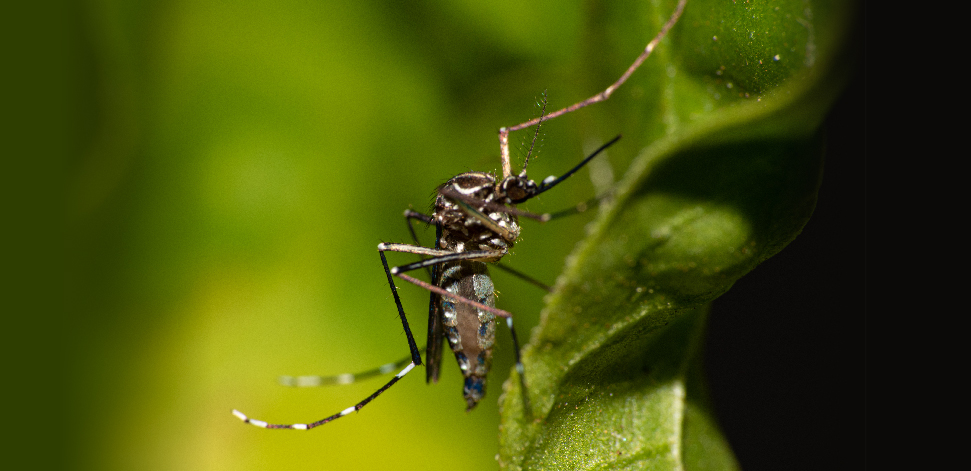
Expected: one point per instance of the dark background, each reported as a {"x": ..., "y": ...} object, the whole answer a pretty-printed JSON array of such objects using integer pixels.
[{"x": 785, "y": 351}]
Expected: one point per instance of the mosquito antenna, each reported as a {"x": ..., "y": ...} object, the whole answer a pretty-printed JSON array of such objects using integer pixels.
[{"x": 542, "y": 114}]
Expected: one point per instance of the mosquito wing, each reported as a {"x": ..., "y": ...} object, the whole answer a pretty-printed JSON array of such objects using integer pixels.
[{"x": 436, "y": 334}]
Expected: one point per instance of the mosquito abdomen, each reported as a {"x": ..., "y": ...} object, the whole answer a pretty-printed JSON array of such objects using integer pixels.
[{"x": 471, "y": 332}]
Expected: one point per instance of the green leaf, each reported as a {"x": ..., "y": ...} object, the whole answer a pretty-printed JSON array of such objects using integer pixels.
[{"x": 730, "y": 165}]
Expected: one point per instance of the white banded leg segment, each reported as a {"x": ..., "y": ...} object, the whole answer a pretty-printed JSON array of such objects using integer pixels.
[
  {"x": 312, "y": 381},
  {"x": 356, "y": 407},
  {"x": 309, "y": 381},
  {"x": 262, "y": 424}
]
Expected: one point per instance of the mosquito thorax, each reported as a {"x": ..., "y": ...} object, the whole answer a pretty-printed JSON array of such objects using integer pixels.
[{"x": 460, "y": 231}]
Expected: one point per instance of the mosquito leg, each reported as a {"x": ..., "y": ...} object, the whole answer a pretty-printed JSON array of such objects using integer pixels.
[
  {"x": 415, "y": 249},
  {"x": 415, "y": 360},
  {"x": 445, "y": 257},
  {"x": 356, "y": 407},
  {"x": 438, "y": 256},
  {"x": 436, "y": 290},
  {"x": 602, "y": 96},
  {"x": 525, "y": 277},
  {"x": 520, "y": 370},
  {"x": 454, "y": 297},
  {"x": 579, "y": 208},
  {"x": 409, "y": 216},
  {"x": 346, "y": 378},
  {"x": 415, "y": 355}
]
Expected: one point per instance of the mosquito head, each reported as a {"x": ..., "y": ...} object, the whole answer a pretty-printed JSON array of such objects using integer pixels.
[{"x": 516, "y": 188}]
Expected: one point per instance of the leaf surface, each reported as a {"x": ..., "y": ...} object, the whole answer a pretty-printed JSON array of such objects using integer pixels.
[{"x": 730, "y": 165}]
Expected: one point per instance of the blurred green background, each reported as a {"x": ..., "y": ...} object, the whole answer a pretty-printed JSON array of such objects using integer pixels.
[{"x": 240, "y": 162}]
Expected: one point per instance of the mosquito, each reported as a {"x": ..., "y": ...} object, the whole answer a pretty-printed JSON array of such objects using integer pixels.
[{"x": 476, "y": 222}]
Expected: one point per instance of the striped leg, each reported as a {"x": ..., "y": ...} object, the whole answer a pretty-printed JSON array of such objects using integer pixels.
[
  {"x": 415, "y": 360},
  {"x": 357, "y": 407},
  {"x": 310, "y": 381}
]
